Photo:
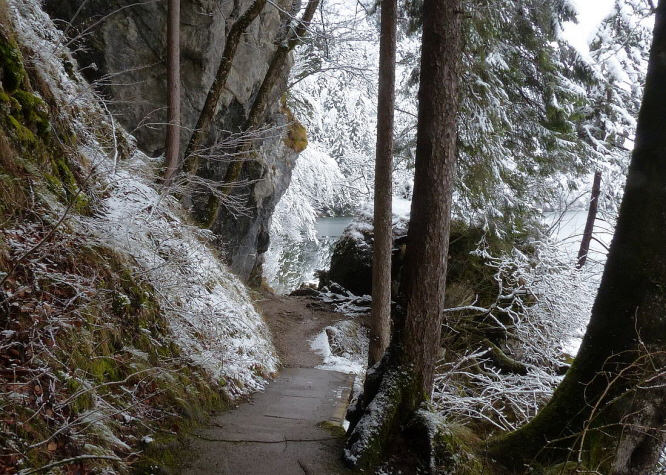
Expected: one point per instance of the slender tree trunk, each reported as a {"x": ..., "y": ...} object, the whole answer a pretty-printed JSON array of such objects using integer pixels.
[
  {"x": 608, "y": 412},
  {"x": 380, "y": 319},
  {"x": 405, "y": 376},
  {"x": 215, "y": 92},
  {"x": 173, "y": 89},
  {"x": 591, "y": 218},
  {"x": 260, "y": 105}
]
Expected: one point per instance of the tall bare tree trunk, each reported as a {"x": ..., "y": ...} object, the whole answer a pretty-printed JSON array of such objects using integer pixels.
[
  {"x": 591, "y": 218},
  {"x": 215, "y": 92},
  {"x": 608, "y": 413},
  {"x": 173, "y": 89},
  {"x": 424, "y": 274},
  {"x": 403, "y": 380},
  {"x": 380, "y": 319}
]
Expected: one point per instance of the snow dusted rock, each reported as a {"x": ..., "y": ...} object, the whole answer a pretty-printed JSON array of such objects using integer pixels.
[
  {"x": 245, "y": 238},
  {"x": 130, "y": 45},
  {"x": 209, "y": 311},
  {"x": 351, "y": 262}
]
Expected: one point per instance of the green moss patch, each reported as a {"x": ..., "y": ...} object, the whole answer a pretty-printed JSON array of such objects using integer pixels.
[
  {"x": 114, "y": 372},
  {"x": 11, "y": 64},
  {"x": 33, "y": 161},
  {"x": 297, "y": 135},
  {"x": 455, "y": 449}
]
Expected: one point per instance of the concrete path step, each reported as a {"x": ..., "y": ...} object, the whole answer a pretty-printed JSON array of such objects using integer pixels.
[{"x": 294, "y": 427}]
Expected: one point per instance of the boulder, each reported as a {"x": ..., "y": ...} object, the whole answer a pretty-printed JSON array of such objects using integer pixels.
[
  {"x": 467, "y": 275},
  {"x": 351, "y": 262}
]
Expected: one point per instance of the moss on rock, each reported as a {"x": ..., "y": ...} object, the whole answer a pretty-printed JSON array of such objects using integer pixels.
[
  {"x": 11, "y": 64},
  {"x": 455, "y": 450},
  {"x": 297, "y": 134}
]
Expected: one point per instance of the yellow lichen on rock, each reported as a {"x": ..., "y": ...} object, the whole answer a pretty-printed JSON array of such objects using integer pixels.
[{"x": 297, "y": 134}]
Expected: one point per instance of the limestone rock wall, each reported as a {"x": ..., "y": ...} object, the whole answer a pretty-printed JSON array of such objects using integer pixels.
[{"x": 124, "y": 54}]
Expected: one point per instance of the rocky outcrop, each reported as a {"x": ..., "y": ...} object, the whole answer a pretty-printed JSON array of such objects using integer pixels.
[
  {"x": 351, "y": 262},
  {"x": 122, "y": 51},
  {"x": 467, "y": 275}
]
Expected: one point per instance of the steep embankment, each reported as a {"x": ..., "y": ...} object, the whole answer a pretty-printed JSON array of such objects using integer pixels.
[{"x": 119, "y": 326}]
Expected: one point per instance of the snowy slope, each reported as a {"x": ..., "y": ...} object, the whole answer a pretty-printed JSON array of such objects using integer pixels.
[{"x": 209, "y": 311}]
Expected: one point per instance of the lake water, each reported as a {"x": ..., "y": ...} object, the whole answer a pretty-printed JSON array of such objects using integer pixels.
[
  {"x": 288, "y": 264},
  {"x": 567, "y": 228},
  {"x": 333, "y": 226},
  {"x": 296, "y": 262}
]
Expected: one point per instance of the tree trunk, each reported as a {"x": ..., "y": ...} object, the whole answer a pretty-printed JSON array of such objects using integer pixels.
[
  {"x": 213, "y": 98},
  {"x": 380, "y": 319},
  {"x": 260, "y": 105},
  {"x": 404, "y": 378},
  {"x": 591, "y": 218},
  {"x": 173, "y": 89},
  {"x": 608, "y": 412}
]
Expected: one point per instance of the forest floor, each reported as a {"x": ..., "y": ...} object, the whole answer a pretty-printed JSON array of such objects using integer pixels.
[{"x": 293, "y": 427}]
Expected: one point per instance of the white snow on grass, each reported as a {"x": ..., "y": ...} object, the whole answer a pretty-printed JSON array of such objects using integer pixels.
[{"x": 209, "y": 310}]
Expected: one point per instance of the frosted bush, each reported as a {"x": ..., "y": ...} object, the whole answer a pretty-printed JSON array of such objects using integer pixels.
[{"x": 542, "y": 307}]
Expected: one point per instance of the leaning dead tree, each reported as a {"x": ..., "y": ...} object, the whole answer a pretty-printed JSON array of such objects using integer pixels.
[
  {"x": 591, "y": 218},
  {"x": 257, "y": 114}
]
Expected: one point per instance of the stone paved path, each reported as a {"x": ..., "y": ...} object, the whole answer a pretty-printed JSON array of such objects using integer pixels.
[{"x": 292, "y": 428}]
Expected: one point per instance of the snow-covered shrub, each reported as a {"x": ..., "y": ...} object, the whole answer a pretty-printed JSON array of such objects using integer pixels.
[
  {"x": 520, "y": 344},
  {"x": 334, "y": 94},
  {"x": 210, "y": 313}
]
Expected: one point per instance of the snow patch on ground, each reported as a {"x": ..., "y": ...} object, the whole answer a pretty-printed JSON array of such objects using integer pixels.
[{"x": 320, "y": 345}]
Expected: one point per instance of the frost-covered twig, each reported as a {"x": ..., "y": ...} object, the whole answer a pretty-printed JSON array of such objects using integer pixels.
[
  {"x": 79, "y": 458},
  {"x": 541, "y": 305}
]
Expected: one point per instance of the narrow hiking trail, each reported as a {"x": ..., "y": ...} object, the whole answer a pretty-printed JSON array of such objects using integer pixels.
[{"x": 293, "y": 427}]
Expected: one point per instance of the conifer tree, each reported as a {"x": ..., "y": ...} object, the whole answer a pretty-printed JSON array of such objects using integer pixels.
[
  {"x": 380, "y": 326},
  {"x": 404, "y": 378},
  {"x": 608, "y": 413}
]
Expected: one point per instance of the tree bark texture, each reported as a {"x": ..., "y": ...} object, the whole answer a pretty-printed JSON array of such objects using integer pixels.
[
  {"x": 589, "y": 224},
  {"x": 215, "y": 92},
  {"x": 173, "y": 89},
  {"x": 380, "y": 317},
  {"x": 424, "y": 274},
  {"x": 403, "y": 380},
  {"x": 609, "y": 410}
]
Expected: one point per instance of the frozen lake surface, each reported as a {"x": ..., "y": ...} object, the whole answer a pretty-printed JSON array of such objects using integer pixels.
[
  {"x": 567, "y": 228},
  {"x": 333, "y": 226}
]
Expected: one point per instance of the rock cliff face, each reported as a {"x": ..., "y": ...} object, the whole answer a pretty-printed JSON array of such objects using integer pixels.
[{"x": 123, "y": 53}]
